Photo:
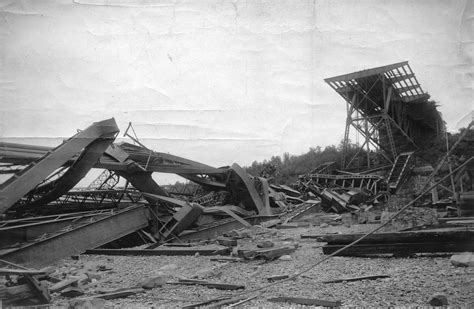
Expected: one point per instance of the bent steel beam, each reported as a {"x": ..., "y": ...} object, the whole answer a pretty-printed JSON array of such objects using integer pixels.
[
  {"x": 24, "y": 181},
  {"x": 74, "y": 174},
  {"x": 77, "y": 239}
]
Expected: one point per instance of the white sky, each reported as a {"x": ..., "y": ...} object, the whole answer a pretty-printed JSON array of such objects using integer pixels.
[{"x": 219, "y": 81}]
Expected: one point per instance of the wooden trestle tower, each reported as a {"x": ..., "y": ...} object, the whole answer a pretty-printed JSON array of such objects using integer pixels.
[{"x": 388, "y": 107}]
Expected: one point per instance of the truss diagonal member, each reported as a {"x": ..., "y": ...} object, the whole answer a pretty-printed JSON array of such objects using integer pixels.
[{"x": 23, "y": 182}]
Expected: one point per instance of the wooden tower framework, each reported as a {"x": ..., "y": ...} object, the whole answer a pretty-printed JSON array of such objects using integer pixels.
[{"x": 388, "y": 107}]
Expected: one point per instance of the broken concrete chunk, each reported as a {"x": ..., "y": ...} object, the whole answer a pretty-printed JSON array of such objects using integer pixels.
[
  {"x": 72, "y": 291},
  {"x": 153, "y": 282},
  {"x": 265, "y": 244},
  {"x": 438, "y": 300},
  {"x": 465, "y": 259}
]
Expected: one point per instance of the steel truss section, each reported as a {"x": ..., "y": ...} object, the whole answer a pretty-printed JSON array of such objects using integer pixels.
[
  {"x": 373, "y": 183},
  {"x": 94, "y": 138}
]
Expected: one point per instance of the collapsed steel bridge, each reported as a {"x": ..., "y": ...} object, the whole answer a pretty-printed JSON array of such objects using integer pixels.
[{"x": 47, "y": 218}]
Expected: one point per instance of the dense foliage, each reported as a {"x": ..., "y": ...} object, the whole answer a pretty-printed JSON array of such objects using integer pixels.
[{"x": 285, "y": 170}]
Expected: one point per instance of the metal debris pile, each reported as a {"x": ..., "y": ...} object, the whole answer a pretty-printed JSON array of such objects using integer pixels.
[{"x": 124, "y": 211}]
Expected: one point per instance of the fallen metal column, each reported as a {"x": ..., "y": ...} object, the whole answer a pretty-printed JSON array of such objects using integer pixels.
[{"x": 78, "y": 239}]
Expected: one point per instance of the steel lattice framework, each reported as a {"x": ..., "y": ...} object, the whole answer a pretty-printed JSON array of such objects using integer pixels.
[{"x": 388, "y": 107}]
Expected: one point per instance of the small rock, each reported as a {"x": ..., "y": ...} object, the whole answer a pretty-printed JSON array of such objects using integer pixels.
[
  {"x": 265, "y": 244},
  {"x": 465, "y": 259},
  {"x": 93, "y": 276},
  {"x": 169, "y": 267},
  {"x": 103, "y": 268},
  {"x": 438, "y": 300},
  {"x": 323, "y": 225},
  {"x": 245, "y": 234},
  {"x": 86, "y": 303},
  {"x": 285, "y": 257},
  {"x": 153, "y": 282},
  {"x": 72, "y": 291}
]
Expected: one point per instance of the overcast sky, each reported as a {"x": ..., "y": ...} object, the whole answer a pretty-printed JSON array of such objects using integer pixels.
[{"x": 219, "y": 81}]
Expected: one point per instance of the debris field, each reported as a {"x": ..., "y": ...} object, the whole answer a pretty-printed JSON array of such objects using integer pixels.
[{"x": 391, "y": 224}]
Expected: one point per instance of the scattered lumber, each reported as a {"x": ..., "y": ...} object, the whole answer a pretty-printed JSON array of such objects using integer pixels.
[
  {"x": 267, "y": 254},
  {"x": 456, "y": 239},
  {"x": 306, "y": 301},
  {"x": 226, "y": 259},
  {"x": 30, "y": 288},
  {"x": 214, "y": 285},
  {"x": 61, "y": 285},
  {"x": 434, "y": 235},
  {"x": 357, "y": 278},
  {"x": 400, "y": 249}
]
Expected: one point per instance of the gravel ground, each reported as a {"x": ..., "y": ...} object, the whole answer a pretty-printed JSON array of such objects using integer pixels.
[{"x": 412, "y": 280}]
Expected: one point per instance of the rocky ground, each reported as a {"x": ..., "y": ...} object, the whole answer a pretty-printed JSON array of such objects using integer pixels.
[{"x": 412, "y": 281}]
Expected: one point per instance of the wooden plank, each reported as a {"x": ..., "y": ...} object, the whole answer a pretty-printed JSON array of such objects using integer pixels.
[
  {"x": 18, "y": 292},
  {"x": 119, "y": 294},
  {"x": 277, "y": 277},
  {"x": 58, "y": 287},
  {"x": 439, "y": 235},
  {"x": 158, "y": 252},
  {"x": 236, "y": 217},
  {"x": 18, "y": 272},
  {"x": 401, "y": 249},
  {"x": 357, "y": 278},
  {"x": 306, "y": 301},
  {"x": 40, "y": 291},
  {"x": 274, "y": 253},
  {"x": 442, "y": 220},
  {"x": 214, "y": 285}
]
